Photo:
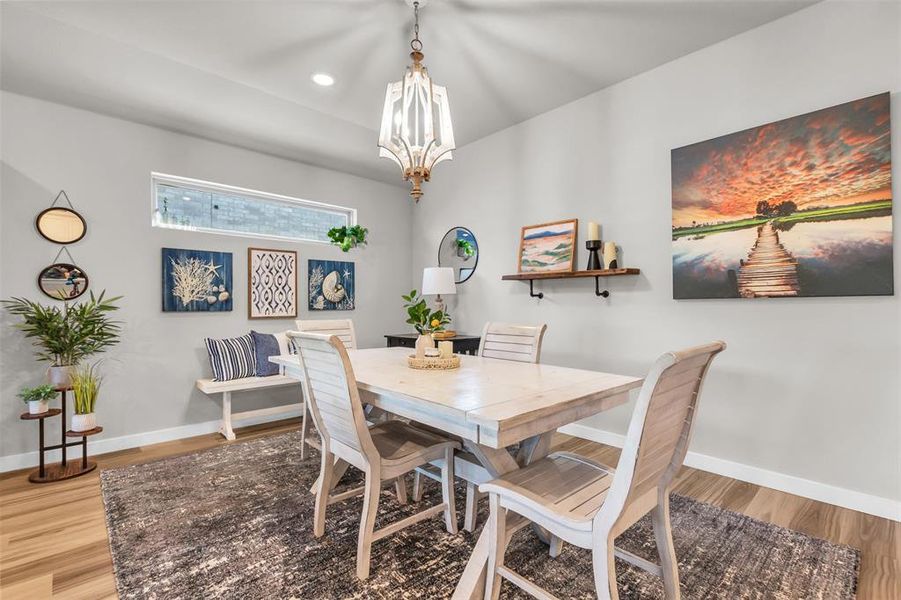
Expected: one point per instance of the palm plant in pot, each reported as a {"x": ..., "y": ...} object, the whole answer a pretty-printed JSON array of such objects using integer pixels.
[
  {"x": 38, "y": 398},
  {"x": 86, "y": 386},
  {"x": 65, "y": 336}
]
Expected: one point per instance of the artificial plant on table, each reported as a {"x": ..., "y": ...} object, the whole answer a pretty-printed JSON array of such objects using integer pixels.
[{"x": 425, "y": 320}]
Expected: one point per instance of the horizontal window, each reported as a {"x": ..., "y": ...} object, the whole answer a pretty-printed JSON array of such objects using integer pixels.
[{"x": 181, "y": 203}]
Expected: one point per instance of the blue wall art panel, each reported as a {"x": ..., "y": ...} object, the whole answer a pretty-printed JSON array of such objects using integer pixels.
[
  {"x": 331, "y": 285},
  {"x": 196, "y": 281}
]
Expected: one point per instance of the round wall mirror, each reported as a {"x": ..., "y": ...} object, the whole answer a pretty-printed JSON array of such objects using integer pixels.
[
  {"x": 460, "y": 251},
  {"x": 63, "y": 281},
  {"x": 61, "y": 225}
]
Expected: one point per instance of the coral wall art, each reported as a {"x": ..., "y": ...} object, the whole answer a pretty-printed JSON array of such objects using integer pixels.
[{"x": 196, "y": 281}]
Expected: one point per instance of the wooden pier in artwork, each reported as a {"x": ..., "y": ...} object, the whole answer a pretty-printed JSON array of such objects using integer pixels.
[{"x": 770, "y": 270}]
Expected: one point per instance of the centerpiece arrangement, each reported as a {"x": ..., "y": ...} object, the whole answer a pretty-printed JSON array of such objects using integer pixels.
[{"x": 427, "y": 322}]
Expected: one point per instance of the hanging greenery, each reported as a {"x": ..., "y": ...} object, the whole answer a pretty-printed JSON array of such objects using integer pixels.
[{"x": 348, "y": 237}]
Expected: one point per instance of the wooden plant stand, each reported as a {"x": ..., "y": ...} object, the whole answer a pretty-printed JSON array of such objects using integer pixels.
[{"x": 64, "y": 469}]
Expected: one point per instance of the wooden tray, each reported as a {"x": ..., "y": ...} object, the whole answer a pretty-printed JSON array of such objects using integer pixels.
[
  {"x": 444, "y": 335},
  {"x": 436, "y": 363}
]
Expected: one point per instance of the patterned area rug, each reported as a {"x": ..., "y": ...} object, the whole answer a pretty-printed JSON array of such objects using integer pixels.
[{"x": 235, "y": 522}]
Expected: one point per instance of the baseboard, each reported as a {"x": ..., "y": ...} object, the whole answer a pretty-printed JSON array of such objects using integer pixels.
[
  {"x": 866, "y": 503},
  {"x": 102, "y": 446}
]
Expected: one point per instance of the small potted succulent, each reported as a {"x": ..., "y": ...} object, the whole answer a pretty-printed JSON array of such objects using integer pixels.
[
  {"x": 348, "y": 237},
  {"x": 65, "y": 336},
  {"x": 424, "y": 320},
  {"x": 38, "y": 398},
  {"x": 86, "y": 385}
]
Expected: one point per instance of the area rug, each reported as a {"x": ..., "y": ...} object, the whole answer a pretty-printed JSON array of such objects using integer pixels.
[{"x": 236, "y": 522}]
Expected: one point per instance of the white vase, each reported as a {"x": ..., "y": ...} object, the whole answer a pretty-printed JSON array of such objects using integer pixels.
[
  {"x": 84, "y": 422},
  {"x": 60, "y": 377},
  {"x": 424, "y": 342},
  {"x": 36, "y": 407}
]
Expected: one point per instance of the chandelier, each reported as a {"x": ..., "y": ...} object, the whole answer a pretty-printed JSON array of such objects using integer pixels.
[{"x": 416, "y": 130}]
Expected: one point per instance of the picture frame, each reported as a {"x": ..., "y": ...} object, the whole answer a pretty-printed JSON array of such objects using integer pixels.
[
  {"x": 196, "y": 280},
  {"x": 272, "y": 281},
  {"x": 548, "y": 247},
  {"x": 331, "y": 285}
]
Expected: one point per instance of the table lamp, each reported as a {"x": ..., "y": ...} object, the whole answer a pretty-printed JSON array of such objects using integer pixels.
[{"x": 437, "y": 281}]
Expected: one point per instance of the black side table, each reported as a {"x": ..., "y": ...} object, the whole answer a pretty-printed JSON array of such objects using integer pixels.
[{"x": 463, "y": 344}]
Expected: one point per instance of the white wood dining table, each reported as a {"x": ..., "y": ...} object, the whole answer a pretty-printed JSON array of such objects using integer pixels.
[{"x": 490, "y": 404}]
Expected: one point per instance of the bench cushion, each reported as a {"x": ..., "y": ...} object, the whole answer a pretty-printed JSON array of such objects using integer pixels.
[{"x": 232, "y": 358}]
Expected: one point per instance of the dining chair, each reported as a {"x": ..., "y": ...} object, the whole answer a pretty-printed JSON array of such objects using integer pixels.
[
  {"x": 344, "y": 329},
  {"x": 503, "y": 341},
  {"x": 384, "y": 452},
  {"x": 588, "y": 504}
]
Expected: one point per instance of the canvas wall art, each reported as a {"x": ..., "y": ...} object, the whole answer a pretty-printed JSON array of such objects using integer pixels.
[
  {"x": 196, "y": 281},
  {"x": 798, "y": 207},
  {"x": 548, "y": 247},
  {"x": 331, "y": 285},
  {"x": 271, "y": 284}
]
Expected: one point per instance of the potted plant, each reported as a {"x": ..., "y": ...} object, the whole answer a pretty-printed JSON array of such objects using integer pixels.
[
  {"x": 38, "y": 398},
  {"x": 424, "y": 320},
  {"x": 348, "y": 237},
  {"x": 86, "y": 385},
  {"x": 465, "y": 249},
  {"x": 64, "y": 336}
]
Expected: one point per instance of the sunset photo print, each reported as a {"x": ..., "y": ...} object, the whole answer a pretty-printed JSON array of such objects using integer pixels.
[{"x": 798, "y": 207}]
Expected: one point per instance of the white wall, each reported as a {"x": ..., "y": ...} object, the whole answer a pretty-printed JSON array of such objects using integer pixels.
[
  {"x": 808, "y": 387},
  {"x": 104, "y": 165}
]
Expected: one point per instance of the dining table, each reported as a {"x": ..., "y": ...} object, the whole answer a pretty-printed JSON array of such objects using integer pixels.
[{"x": 490, "y": 404}]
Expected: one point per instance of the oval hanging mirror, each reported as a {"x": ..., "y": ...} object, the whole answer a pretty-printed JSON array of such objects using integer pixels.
[
  {"x": 460, "y": 251},
  {"x": 61, "y": 225},
  {"x": 63, "y": 281}
]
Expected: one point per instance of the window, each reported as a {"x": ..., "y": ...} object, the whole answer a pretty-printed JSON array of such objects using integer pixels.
[{"x": 181, "y": 203}]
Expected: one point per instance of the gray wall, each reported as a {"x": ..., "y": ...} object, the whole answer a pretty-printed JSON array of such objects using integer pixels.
[
  {"x": 104, "y": 165},
  {"x": 808, "y": 387}
]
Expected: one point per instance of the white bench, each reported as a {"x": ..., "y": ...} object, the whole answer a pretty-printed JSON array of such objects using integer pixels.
[{"x": 210, "y": 387}]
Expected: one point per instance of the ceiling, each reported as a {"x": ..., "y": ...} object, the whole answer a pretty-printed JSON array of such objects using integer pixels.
[{"x": 239, "y": 71}]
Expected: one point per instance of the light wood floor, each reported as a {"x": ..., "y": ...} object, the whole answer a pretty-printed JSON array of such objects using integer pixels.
[{"x": 53, "y": 537}]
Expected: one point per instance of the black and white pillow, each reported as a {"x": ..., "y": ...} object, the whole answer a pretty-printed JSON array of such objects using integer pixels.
[{"x": 232, "y": 358}]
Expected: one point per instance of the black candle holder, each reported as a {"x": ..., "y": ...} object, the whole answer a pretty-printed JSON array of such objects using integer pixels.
[{"x": 594, "y": 261}]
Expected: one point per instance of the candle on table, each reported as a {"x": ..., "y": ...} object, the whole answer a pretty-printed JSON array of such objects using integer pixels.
[
  {"x": 594, "y": 231},
  {"x": 446, "y": 349},
  {"x": 610, "y": 255}
]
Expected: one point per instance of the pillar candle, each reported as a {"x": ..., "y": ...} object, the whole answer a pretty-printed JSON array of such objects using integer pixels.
[
  {"x": 610, "y": 255},
  {"x": 446, "y": 349},
  {"x": 594, "y": 231}
]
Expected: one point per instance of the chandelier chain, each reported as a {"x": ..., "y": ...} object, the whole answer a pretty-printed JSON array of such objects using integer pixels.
[{"x": 416, "y": 44}]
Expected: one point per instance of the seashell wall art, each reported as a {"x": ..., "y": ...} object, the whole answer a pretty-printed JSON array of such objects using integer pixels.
[{"x": 331, "y": 285}]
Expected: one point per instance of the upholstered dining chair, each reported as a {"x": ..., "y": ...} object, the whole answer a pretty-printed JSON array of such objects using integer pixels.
[
  {"x": 344, "y": 330},
  {"x": 503, "y": 341},
  {"x": 384, "y": 452},
  {"x": 588, "y": 504}
]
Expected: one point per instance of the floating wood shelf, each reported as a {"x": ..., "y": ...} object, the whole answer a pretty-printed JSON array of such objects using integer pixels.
[{"x": 597, "y": 274}]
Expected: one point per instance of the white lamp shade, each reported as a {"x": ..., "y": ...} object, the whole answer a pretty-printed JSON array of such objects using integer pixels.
[{"x": 438, "y": 280}]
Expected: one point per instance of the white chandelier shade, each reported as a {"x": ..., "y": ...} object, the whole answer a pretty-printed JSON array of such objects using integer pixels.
[{"x": 416, "y": 131}]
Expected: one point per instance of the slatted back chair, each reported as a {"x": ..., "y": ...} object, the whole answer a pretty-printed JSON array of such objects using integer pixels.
[
  {"x": 384, "y": 452},
  {"x": 521, "y": 343},
  {"x": 588, "y": 504},
  {"x": 344, "y": 330}
]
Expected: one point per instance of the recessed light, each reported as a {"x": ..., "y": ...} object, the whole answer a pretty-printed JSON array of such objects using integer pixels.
[{"x": 323, "y": 79}]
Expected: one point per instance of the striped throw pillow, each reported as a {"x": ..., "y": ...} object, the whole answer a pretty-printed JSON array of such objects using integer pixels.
[{"x": 232, "y": 358}]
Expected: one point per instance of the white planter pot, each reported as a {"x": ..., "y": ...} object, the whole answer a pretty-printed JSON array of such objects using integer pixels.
[
  {"x": 36, "y": 407},
  {"x": 84, "y": 422},
  {"x": 60, "y": 377},
  {"x": 424, "y": 342}
]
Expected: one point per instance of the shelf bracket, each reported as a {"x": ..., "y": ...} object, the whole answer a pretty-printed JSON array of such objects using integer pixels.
[
  {"x": 597, "y": 288},
  {"x": 532, "y": 293}
]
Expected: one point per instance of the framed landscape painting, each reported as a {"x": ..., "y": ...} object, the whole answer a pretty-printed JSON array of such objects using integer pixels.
[
  {"x": 798, "y": 207},
  {"x": 548, "y": 247},
  {"x": 331, "y": 285},
  {"x": 271, "y": 284},
  {"x": 196, "y": 281}
]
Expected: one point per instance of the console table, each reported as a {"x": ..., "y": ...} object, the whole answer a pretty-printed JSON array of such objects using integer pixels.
[{"x": 463, "y": 344}]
